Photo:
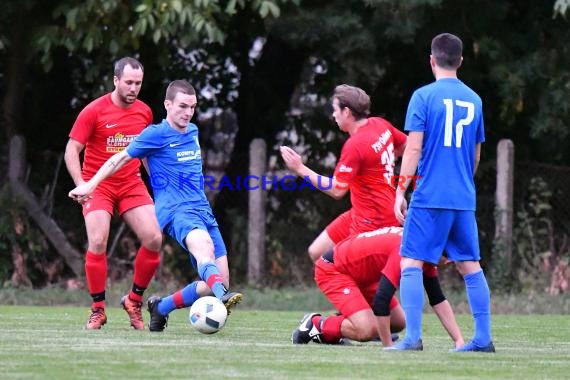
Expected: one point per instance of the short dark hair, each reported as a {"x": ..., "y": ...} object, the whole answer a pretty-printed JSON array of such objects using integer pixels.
[
  {"x": 177, "y": 86},
  {"x": 447, "y": 50},
  {"x": 356, "y": 99},
  {"x": 121, "y": 63}
]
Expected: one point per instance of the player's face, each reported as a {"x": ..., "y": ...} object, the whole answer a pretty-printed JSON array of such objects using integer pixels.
[
  {"x": 339, "y": 114},
  {"x": 129, "y": 84},
  {"x": 180, "y": 110}
]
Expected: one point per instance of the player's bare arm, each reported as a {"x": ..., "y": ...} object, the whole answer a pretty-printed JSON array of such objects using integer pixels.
[
  {"x": 399, "y": 150},
  {"x": 410, "y": 161},
  {"x": 145, "y": 164},
  {"x": 446, "y": 316},
  {"x": 327, "y": 185},
  {"x": 72, "y": 151},
  {"x": 82, "y": 192},
  {"x": 477, "y": 157},
  {"x": 381, "y": 309},
  {"x": 442, "y": 309}
]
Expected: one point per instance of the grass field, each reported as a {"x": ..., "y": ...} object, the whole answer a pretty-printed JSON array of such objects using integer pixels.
[{"x": 43, "y": 342}]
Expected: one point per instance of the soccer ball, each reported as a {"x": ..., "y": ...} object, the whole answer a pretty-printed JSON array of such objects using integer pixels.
[{"x": 208, "y": 315}]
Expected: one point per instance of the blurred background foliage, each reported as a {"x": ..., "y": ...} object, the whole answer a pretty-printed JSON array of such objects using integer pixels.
[{"x": 266, "y": 69}]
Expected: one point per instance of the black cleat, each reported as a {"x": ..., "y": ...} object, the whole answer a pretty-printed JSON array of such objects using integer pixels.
[
  {"x": 230, "y": 299},
  {"x": 157, "y": 321},
  {"x": 307, "y": 331}
]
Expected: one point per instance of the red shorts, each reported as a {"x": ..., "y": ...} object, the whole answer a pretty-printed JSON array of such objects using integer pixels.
[
  {"x": 121, "y": 197},
  {"x": 339, "y": 229},
  {"x": 393, "y": 272},
  {"x": 344, "y": 292},
  {"x": 345, "y": 226}
]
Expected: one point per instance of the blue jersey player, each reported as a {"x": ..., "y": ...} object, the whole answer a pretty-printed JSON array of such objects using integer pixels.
[
  {"x": 445, "y": 124},
  {"x": 172, "y": 152}
]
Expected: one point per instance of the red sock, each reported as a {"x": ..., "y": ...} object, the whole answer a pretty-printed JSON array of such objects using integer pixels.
[
  {"x": 330, "y": 328},
  {"x": 96, "y": 274},
  {"x": 146, "y": 263},
  {"x": 178, "y": 299}
]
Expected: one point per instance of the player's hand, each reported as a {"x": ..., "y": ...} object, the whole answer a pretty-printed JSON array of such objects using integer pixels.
[
  {"x": 291, "y": 158},
  {"x": 459, "y": 342},
  {"x": 81, "y": 193},
  {"x": 400, "y": 207}
]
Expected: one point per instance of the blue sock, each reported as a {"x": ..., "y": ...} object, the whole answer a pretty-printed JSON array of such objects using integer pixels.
[
  {"x": 210, "y": 273},
  {"x": 182, "y": 298},
  {"x": 479, "y": 298},
  {"x": 412, "y": 297}
]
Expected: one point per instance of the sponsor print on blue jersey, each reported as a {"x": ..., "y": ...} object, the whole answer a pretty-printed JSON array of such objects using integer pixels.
[{"x": 174, "y": 160}]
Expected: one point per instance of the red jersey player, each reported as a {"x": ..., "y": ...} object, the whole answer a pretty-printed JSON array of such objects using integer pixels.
[
  {"x": 104, "y": 127},
  {"x": 359, "y": 277},
  {"x": 365, "y": 167}
]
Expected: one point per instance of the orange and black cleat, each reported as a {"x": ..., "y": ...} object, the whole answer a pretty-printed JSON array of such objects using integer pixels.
[
  {"x": 96, "y": 319},
  {"x": 134, "y": 310}
]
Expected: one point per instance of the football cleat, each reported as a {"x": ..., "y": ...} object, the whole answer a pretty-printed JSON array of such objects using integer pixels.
[
  {"x": 230, "y": 299},
  {"x": 96, "y": 319},
  {"x": 406, "y": 346},
  {"x": 157, "y": 321},
  {"x": 473, "y": 347},
  {"x": 307, "y": 331},
  {"x": 134, "y": 310}
]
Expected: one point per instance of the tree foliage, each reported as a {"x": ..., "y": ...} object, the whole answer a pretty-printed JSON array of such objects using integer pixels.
[
  {"x": 275, "y": 64},
  {"x": 561, "y": 7}
]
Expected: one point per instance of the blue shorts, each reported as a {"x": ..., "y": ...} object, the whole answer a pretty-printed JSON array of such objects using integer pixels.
[
  {"x": 430, "y": 231},
  {"x": 186, "y": 220}
]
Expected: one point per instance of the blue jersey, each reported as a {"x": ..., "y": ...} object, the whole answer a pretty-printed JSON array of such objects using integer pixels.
[
  {"x": 450, "y": 115},
  {"x": 175, "y": 165}
]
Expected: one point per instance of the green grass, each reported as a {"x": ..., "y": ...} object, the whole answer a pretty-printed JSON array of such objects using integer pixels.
[
  {"x": 284, "y": 299},
  {"x": 46, "y": 342}
]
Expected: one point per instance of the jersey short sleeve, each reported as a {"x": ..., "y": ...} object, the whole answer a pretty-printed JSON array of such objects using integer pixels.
[
  {"x": 399, "y": 137},
  {"x": 147, "y": 142},
  {"x": 348, "y": 164},
  {"x": 84, "y": 125},
  {"x": 416, "y": 115}
]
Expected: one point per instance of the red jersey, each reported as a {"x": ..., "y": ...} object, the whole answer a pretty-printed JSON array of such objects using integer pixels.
[
  {"x": 367, "y": 256},
  {"x": 366, "y": 167},
  {"x": 105, "y": 129}
]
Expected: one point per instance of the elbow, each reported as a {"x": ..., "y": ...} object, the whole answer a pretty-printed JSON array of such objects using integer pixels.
[
  {"x": 414, "y": 151},
  {"x": 70, "y": 157},
  {"x": 338, "y": 195}
]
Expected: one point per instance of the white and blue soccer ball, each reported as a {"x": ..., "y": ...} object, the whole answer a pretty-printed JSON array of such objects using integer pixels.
[{"x": 208, "y": 315}]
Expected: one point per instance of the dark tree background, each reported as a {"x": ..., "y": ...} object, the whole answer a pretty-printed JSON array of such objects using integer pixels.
[{"x": 272, "y": 64}]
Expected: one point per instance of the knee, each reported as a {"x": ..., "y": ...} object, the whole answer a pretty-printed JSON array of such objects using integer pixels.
[
  {"x": 365, "y": 333},
  {"x": 397, "y": 327},
  {"x": 97, "y": 243},
  {"x": 204, "y": 256},
  {"x": 314, "y": 252},
  {"x": 397, "y": 323},
  {"x": 153, "y": 241},
  {"x": 467, "y": 267}
]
